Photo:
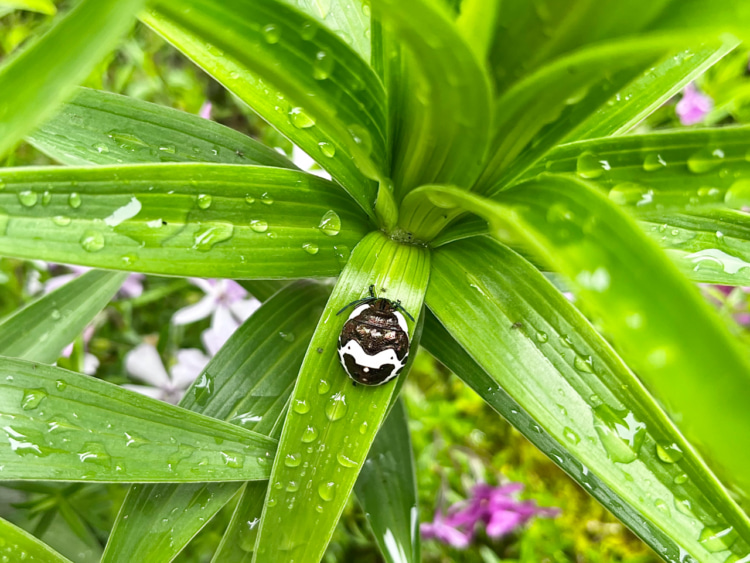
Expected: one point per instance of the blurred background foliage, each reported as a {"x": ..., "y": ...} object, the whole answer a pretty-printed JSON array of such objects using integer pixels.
[{"x": 458, "y": 440}]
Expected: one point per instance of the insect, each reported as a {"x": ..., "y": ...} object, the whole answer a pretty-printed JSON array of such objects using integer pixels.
[{"x": 374, "y": 342}]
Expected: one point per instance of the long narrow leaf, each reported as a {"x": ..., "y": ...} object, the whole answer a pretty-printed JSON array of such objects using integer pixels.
[
  {"x": 41, "y": 76},
  {"x": 180, "y": 219},
  {"x": 41, "y": 6},
  {"x": 443, "y": 110},
  {"x": 387, "y": 490},
  {"x": 247, "y": 384},
  {"x": 541, "y": 351},
  {"x": 297, "y": 75},
  {"x": 18, "y": 545},
  {"x": 331, "y": 424},
  {"x": 42, "y": 329},
  {"x": 97, "y": 127},
  {"x": 664, "y": 329},
  {"x": 59, "y": 425}
]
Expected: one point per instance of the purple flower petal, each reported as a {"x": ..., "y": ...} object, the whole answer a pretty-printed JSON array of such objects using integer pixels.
[
  {"x": 503, "y": 522},
  {"x": 144, "y": 363},
  {"x": 693, "y": 106},
  {"x": 205, "y": 111},
  {"x": 196, "y": 312},
  {"x": 190, "y": 363},
  {"x": 132, "y": 286},
  {"x": 445, "y": 533}
]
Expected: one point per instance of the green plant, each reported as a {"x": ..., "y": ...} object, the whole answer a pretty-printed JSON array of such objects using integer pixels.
[{"x": 472, "y": 147}]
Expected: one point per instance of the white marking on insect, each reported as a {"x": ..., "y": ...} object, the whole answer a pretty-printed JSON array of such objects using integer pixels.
[
  {"x": 402, "y": 322},
  {"x": 358, "y": 310},
  {"x": 365, "y": 360}
]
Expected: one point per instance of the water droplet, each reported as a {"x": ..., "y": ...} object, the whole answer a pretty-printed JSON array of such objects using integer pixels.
[
  {"x": 584, "y": 364},
  {"x": 668, "y": 453},
  {"x": 271, "y": 33},
  {"x": 259, "y": 226},
  {"x": 249, "y": 199},
  {"x": 661, "y": 505},
  {"x": 361, "y": 137},
  {"x": 717, "y": 538},
  {"x": 323, "y": 65},
  {"x": 590, "y": 167},
  {"x": 92, "y": 241},
  {"x": 620, "y": 432},
  {"x": 309, "y": 435},
  {"x": 271, "y": 502},
  {"x": 542, "y": 337},
  {"x": 292, "y": 460},
  {"x": 363, "y": 428},
  {"x": 61, "y": 220},
  {"x": 330, "y": 223},
  {"x": 300, "y": 119},
  {"x": 60, "y": 385},
  {"x": 234, "y": 460},
  {"x": 32, "y": 398},
  {"x": 681, "y": 479},
  {"x": 169, "y": 149},
  {"x": 336, "y": 407},
  {"x": 327, "y": 491},
  {"x": 308, "y": 30},
  {"x": 203, "y": 388},
  {"x": 287, "y": 336},
  {"x": 28, "y": 198},
  {"x": 311, "y": 248},
  {"x": 133, "y": 440},
  {"x": 101, "y": 148},
  {"x": 300, "y": 406},
  {"x": 204, "y": 201},
  {"x": 653, "y": 162},
  {"x": 266, "y": 199},
  {"x": 93, "y": 452},
  {"x": 327, "y": 149},
  {"x": 705, "y": 160},
  {"x": 323, "y": 387},
  {"x": 210, "y": 234},
  {"x": 74, "y": 200},
  {"x": 571, "y": 436},
  {"x": 345, "y": 461},
  {"x": 46, "y": 197},
  {"x": 630, "y": 193}
]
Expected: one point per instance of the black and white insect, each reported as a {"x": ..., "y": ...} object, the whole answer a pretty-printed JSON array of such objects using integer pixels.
[{"x": 374, "y": 342}]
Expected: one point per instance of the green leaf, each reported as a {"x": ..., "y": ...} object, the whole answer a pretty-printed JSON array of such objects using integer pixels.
[
  {"x": 387, "y": 490},
  {"x": 649, "y": 92},
  {"x": 300, "y": 77},
  {"x": 208, "y": 220},
  {"x": 97, "y": 127},
  {"x": 19, "y": 545},
  {"x": 331, "y": 423},
  {"x": 250, "y": 380},
  {"x": 43, "y": 328},
  {"x": 660, "y": 172},
  {"x": 532, "y": 344},
  {"x": 442, "y": 121},
  {"x": 65, "y": 426},
  {"x": 41, "y": 76},
  {"x": 663, "y": 328},
  {"x": 477, "y": 22},
  {"x": 710, "y": 246},
  {"x": 41, "y": 6}
]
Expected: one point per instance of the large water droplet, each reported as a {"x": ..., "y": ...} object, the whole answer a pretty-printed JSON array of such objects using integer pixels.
[
  {"x": 330, "y": 223},
  {"x": 327, "y": 149},
  {"x": 327, "y": 491},
  {"x": 28, "y": 198},
  {"x": 94, "y": 452},
  {"x": 345, "y": 461},
  {"x": 292, "y": 460},
  {"x": 61, "y": 220},
  {"x": 620, "y": 432},
  {"x": 590, "y": 167},
  {"x": 300, "y": 119},
  {"x": 668, "y": 453},
  {"x": 308, "y": 30},
  {"x": 584, "y": 364},
  {"x": 571, "y": 436},
  {"x": 204, "y": 201},
  {"x": 266, "y": 199},
  {"x": 653, "y": 162},
  {"x": 74, "y": 200},
  {"x": 717, "y": 538},
  {"x": 323, "y": 65},
  {"x": 705, "y": 160},
  {"x": 203, "y": 388},
  {"x": 300, "y": 406},
  {"x": 309, "y": 435},
  {"x": 92, "y": 241},
  {"x": 323, "y": 387},
  {"x": 310, "y": 248},
  {"x": 259, "y": 226},
  {"x": 210, "y": 234},
  {"x": 361, "y": 137},
  {"x": 234, "y": 460},
  {"x": 336, "y": 407},
  {"x": 271, "y": 33},
  {"x": 32, "y": 398},
  {"x": 630, "y": 193}
]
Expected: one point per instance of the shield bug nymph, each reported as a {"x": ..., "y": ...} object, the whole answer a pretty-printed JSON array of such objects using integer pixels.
[{"x": 374, "y": 342}]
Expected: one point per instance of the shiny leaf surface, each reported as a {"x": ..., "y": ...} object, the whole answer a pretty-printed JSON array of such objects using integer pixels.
[{"x": 19, "y": 545}]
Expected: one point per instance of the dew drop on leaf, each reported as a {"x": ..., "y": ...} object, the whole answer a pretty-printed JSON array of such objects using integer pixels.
[
  {"x": 327, "y": 149},
  {"x": 74, "y": 200},
  {"x": 210, "y": 234},
  {"x": 668, "y": 453},
  {"x": 311, "y": 248},
  {"x": 717, "y": 538},
  {"x": 94, "y": 452},
  {"x": 92, "y": 241},
  {"x": 61, "y": 220},
  {"x": 272, "y": 34},
  {"x": 32, "y": 398},
  {"x": 300, "y": 119},
  {"x": 234, "y": 460},
  {"x": 300, "y": 406},
  {"x": 203, "y": 388},
  {"x": 309, "y": 435},
  {"x": 653, "y": 162},
  {"x": 259, "y": 226},
  {"x": 323, "y": 387},
  {"x": 330, "y": 223},
  {"x": 323, "y": 65},
  {"x": 204, "y": 201},
  {"x": 620, "y": 433},
  {"x": 46, "y": 197},
  {"x": 327, "y": 491},
  {"x": 249, "y": 199},
  {"x": 292, "y": 460},
  {"x": 590, "y": 167},
  {"x": 336, "y": 407},
  {"x": 705, "y": 160},
  {"x": 266, "y": 199},
  {"x": 345, "y": 461},
  {"x": 28, "y": 198}
]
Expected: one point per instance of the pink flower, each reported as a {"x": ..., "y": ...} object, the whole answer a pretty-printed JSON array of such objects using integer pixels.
[
  {"x": 90, "y": 362},
  {"x": 225, "y": 301},
  {"x": 131, "y": 287},
  {"x": 144, "y": 364},
  {"x": 495, "y": 507},
  {"x": 205, "y": 111},
  {"x": 693, "y": 106}
]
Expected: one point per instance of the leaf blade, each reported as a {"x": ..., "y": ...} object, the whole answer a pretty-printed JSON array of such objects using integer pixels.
[{"x": 22, "y": 545}]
